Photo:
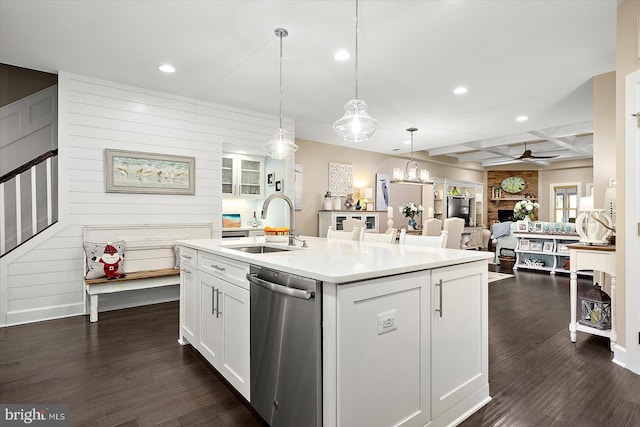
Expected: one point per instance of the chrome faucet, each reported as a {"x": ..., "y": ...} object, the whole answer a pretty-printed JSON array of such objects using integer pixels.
[{"x": 265, "y": 206}]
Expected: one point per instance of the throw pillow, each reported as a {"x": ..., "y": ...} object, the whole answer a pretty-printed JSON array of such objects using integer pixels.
[{"x": 104, "y": 259}]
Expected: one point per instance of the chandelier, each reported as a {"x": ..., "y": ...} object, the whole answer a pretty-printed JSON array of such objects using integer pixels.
[{"x": 412, "y": 174}]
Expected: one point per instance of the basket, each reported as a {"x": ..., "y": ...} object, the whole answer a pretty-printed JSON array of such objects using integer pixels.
[{"x": 506, "y": 261}]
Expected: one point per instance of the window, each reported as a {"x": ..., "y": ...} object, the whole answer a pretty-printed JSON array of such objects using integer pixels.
[{"x": 565, "y": 207}]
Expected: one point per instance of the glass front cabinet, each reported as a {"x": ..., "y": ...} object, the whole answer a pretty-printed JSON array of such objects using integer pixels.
[{"x": 242, "y": 176}]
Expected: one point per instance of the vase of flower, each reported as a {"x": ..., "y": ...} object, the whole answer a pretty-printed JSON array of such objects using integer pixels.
[
  {"x": 410, "y": 210},
  {"x": 525, "y": 209}
]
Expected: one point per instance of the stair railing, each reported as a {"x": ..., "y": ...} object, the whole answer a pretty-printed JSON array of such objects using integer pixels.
[{"x": 5, "y": 179}]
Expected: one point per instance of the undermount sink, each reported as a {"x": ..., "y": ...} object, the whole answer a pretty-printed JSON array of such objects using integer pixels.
[{"x": 258, "y": 249}]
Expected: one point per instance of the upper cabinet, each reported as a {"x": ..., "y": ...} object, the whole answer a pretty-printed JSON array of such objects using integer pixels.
[{"x": 242, "y": 176}]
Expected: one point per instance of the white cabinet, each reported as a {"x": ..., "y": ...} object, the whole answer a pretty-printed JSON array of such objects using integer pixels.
[
  {"x": 242, "y": 176},
  {"x": 335, "y": 219},
  {"x": 546, "y": 252},
  {"x": 188, "y": 295},
  {"x": 459, "y": 337},
  {"x": 412, "y": 349},
  {"x": 472, "y": 192},
  {"x": 214, "y": 313}
]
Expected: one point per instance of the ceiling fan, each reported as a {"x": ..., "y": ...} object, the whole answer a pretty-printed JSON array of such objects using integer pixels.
[{"x": 527, "y": 155}]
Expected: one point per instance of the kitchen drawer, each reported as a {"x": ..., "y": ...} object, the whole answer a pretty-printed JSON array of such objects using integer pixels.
[
  {"x": 224, "y": 268},
  {"x": 188, "y": 257}
]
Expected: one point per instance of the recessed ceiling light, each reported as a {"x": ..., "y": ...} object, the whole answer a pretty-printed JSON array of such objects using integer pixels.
[
  {"x": 460, "y": 90},
  {"x": 522, "y": 118},
  {"x": 166, "y": 68},
  {"x": 342, "y": 55}
]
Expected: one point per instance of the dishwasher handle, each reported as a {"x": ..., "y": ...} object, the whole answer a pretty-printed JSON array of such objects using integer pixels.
[{"x": 274, "y": 287}]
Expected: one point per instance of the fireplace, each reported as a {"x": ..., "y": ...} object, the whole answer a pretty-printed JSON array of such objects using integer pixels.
[{"x": 505, "y": 215}]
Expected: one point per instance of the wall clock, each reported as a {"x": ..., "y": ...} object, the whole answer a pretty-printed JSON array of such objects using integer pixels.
[{"x": 513, "y": 184}]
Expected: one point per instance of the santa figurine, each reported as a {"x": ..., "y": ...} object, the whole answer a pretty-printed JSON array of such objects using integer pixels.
[{"x": 111, "y": 260}]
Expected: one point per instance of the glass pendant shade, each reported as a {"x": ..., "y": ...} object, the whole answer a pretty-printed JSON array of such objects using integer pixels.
[
  {"x": 356, "y": 125},
  {"x": 280, "y": 146}
]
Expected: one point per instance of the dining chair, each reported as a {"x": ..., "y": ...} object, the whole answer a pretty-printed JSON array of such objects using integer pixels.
[
  {"x": 343, "y": 235},
  {"x": 425, "y": 241},
  {"x": 380, "y": 237},
  {"x": 454, "y": 228},
  {"x": 432, "y": 227},
  {"x": 351, "y": 223}
]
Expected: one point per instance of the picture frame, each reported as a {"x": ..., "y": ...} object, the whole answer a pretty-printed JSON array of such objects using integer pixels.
[
  {"x": 563, "y": 248},
  {"x": 547, "y": 247},
  {"x": 523, "y": 245},
  {"x": 370, "y": 206},
  {"x": 279, "y": 186},
  {"x": 535, "y": 246},
  {"x": 383, "y": 192},
  {"x": 149, "y": 173},
  {"x": 538, "y": 227},
  {"x": 271, "y": 179},
  {"x": 522, "y": 226}
]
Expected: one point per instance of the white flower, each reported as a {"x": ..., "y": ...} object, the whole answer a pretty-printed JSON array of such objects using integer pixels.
[{"x": 529, "y": 207}]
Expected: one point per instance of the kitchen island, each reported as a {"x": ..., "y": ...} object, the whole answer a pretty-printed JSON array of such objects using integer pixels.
[{"x": 404, "y": 336}]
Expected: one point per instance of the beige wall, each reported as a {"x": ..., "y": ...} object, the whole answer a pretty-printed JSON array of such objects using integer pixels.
[
  {"x": 316, "y": 158},
  {"x": 604, "y": 134},
  {"x": 626, "y": 62}
]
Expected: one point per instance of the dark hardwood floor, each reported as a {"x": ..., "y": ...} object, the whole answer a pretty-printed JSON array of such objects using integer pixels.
[{"x": 128, "y": 369}]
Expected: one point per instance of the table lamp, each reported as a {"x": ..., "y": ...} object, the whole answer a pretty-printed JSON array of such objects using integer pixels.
[{"x": 593, "y": 225}]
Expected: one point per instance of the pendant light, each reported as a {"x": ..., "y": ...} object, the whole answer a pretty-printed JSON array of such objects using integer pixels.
[
  {"x": 411, "y": 174},
  {"x": 356, "y": 125},
  {"x": 281, "y": 146}
]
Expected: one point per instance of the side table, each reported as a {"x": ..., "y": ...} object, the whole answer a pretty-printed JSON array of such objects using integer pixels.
[{"x": 596, "y": 258}]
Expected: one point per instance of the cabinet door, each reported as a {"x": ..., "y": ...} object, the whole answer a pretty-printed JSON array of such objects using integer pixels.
[
  {"x": 228, "y": 176},
  {"x": 459, "y": 362},
  {"x": 371, "y": 222},
  {"x": 383, "y": 351},
  {"x": 188, "y": 305},
  {"x": 250, "y": 177},
  {"x": 337, "y": 222},
  {"x": 233, "y": 317},
  {"x": 210, "y": 339}
]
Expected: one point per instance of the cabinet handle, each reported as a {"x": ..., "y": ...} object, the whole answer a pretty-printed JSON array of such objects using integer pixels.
[
  {"x": 186, "y": 256},
  {"x": 221, "y": 269},
  {"x": 439, "y": 285},
  {"x": 218, "y": 312},
  {"x": 184, "y": 270},
  {"x": 213, "y": 300}
]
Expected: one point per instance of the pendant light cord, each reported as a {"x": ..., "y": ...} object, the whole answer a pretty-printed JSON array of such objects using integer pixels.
[
  {"x": 280, "y": 81},
  {"x": 356, "y": 72}
]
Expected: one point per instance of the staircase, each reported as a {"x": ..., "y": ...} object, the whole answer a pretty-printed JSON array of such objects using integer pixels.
[{"x": 27, "y": 200}]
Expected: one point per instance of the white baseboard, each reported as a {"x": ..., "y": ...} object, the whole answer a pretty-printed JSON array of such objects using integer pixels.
[{"x": 43, "y": 313}]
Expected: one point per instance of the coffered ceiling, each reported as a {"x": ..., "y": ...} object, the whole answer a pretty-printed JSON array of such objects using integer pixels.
[{"x": 517, "y": 58}]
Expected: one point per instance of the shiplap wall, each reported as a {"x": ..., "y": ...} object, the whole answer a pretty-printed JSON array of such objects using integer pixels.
[{"x": 43, "y": 279}]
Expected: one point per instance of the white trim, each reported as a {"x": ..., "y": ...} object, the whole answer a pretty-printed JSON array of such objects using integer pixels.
[
  {"x": 631, "y": 206},
  {"x": 2, "y": 220},
  {"x": 34, "y": 202},
  {"x": 550, "y": 210},
  {"x": 18, "y": 210}
]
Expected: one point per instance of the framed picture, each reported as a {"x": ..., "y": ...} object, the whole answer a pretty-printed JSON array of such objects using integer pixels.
[
  {"x": 523, "y": 226},
  {"x": 547, "y": 247},
  {"x": 535, "y": 246},
  {"x": 562, "y": 247},
  {"x": 538, "y": 227},
  {"x": 523, "y": 245},
  {"x": 369, "y": 206},
  {"x": 382, "y": 192},
  {"x": 279, "y": 186},
  {"x": 149, "y": 173},
  {"x": 271, "y": 178}
]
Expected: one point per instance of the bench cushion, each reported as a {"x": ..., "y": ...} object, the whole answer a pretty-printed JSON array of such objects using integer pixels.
[{"x": 135, "y": 275}]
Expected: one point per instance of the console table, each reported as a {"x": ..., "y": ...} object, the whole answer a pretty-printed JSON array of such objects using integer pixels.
[{"x": 596, "y": 258}]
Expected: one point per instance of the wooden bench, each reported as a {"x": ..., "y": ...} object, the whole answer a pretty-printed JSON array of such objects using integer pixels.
[{"x": 149, "y": 260}]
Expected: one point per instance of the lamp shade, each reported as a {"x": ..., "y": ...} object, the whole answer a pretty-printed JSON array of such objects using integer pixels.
[
  {"x": 356, "y": 125},
  {"x": 280, "y": 146},
  {"x": 586, "y": 204}
]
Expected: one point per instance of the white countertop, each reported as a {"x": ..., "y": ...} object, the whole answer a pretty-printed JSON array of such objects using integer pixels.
[{"x": 340, "y": 261}]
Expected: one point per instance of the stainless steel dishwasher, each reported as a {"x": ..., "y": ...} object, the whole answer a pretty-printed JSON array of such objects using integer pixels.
[{"x": 286, "y": 348}]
